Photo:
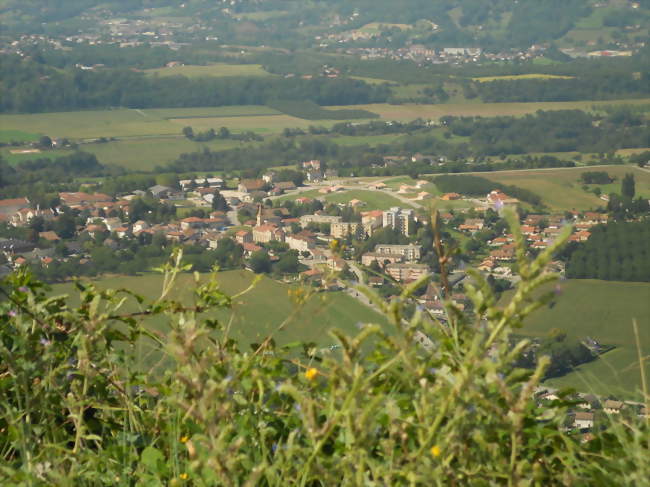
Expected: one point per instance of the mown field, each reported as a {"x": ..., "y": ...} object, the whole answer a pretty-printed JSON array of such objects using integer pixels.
[
  {"x": 603, "y": 310},
  {"x": 561, "y": 189},
  {"x": 374, "y": 200},
  {"x": 413, "y": 111},
  {"x": 214, "y": 70},
  {"x": 258, "y": 313}
]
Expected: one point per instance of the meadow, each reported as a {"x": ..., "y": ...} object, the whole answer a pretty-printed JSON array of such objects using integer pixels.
[
  {"x": 561, "y": 189},
  {"x": 258, "y": 313},
  {"x": 213, "y": 70},
  {"x": 602, "y": 310},
  {"x": 487, "y": 79}
]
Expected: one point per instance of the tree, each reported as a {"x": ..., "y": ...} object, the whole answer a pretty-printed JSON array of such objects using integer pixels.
[
  {"x": 45, "y": 142},
  {"x": 65, "y": 226},
  {"x": 260, "y": 262},
  {"x": 628, "y": 186},
  {"x": 188, "y": 132},
  {"x": 219, "y": 203}
]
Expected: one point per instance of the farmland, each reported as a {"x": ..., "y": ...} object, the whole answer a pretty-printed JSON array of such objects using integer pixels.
[
  {"x": 259, "y": 312},
  {"x": 604, "y": 311},
  {"x": 561, "y": 189}
]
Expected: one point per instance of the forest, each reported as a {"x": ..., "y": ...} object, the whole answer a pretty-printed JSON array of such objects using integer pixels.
[{"x": 31, "y": 87}]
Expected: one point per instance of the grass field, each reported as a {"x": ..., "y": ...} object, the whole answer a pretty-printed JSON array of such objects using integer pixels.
[
  {"x": 10, "y": 135},
  {"x": 146, "y": 154},
  {"x": 170, "y": 121},
  {"x": 413, "y": 111},
  {"x": 487, "y": 79},
  {"x": 370, "y": 140},
  {"x": 374, "y": 200},
  {"x": 214, "y": 70},
  {"x": 604, "y": 311},
  {"x": 561, "y": 189},
  {"x": 259, "y": 312}
]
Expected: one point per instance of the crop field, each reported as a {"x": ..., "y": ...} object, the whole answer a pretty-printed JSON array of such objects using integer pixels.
[
  {"x": 603, "y": 310},
  {"x": 214, "y": 70},
  {"x": 260, "y": 312},
  {"x": 487, "y": 79},
  {"x": 561, "y": 189}
]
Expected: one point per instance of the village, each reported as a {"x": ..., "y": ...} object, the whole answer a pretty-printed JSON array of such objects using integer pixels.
[{"x": 270, "y": 221}]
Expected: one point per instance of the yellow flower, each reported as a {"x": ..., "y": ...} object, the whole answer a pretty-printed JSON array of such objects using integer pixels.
[
  {"x": 184, "y": 476},
  {"x": 311, "y": 374},
  {"x": 185, "y": 439},
  {"x": 435, "y": 450}
]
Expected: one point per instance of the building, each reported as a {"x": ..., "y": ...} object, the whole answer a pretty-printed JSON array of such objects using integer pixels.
[
  {"x": 267, "y": 233},
  {"x": 406, "y": 272},
  {"x": 251, "y": 185},
  {"x": 11, "y": 206},
  {"x": 399, "y": 219},
  {"x": 369, "y": 257},
  {"x": 583, "y": 420},
  {"x": 307, "y": 219},
  {"x": 612, "y": 407},
  {"x": 345, "y": 229},
  {"x": 410, "y": 252},
  {"x": 244, "y": 236},
  {"x": 374, "y": 218},
  {"x": 301, "y": 243}
]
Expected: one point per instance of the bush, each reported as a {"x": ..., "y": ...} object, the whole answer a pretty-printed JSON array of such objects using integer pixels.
[{"x": 377, "y": 410}]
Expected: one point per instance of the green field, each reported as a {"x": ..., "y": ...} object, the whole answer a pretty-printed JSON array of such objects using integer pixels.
[
  {"x": 374, "y": 200},
  {"x": 487, "y": 79},
  {"x": 124, "y": 122},
  {"x": 369, "y": 140},
  {"x": 9, "y": 135},
  {"x": 604, "y": 311},
  {"x": 259, "y": 312},
  {"x": 413, "y": 111},
  {"x": 214, "y": 70},
  {"x": 561, "y": 189}
]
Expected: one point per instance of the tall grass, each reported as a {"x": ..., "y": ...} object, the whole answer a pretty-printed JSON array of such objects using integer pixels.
[{"x": 380, "y": 410}]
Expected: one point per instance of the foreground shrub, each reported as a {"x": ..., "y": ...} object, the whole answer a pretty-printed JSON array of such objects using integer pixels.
[{"x": 380, "y": 410}]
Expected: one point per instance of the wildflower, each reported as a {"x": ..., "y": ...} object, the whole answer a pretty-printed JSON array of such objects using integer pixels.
[
  {"x": 12, "y": 313},
  {"x": 44, "y": 341},
  {"x": 311, "y": 373},
  {"x": 435, "y": 451},
  {"x": 23, "y": 289},
  {"x": 184, "y": 439},
  {"x": 184, "y": 476}
]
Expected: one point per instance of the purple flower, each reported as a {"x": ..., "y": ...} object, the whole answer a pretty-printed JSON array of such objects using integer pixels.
[
  {"x": 23, "y": 289},
  {"x": 45, "y": 342},
  {"x": 297, "y": 407},
  {"x": 12, "y": 313}
]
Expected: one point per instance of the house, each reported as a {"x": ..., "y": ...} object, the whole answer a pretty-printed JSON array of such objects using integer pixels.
[
  {"x": 285, "y": 186},
  {"x": 249, "y": 248},
  {"x": 11, "y": 206},
  {"x": 314, "y": 175},
  {"x": 451, "y": 196},
  {"x": 298, "y": 242},
  {"x": 499, "y": 199},
  {"x": 373, "y": 218},
  {"x": 243, "y": 236},
  {"x": 613, "y": 407},
  {"x": 503, "y": 254},
  {"x": 313, "y": 164},
  {"x": 79, "y": 199},
  {"x": 251, "y": 185},
  {"x": 50, "y": 236},
  {"x": 369, "y": 257},
  {"x": 583, "y": 420},
  {"x": 162, "y": 192},
  {"x": 336, "y": 263}
]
